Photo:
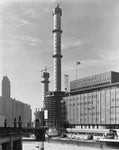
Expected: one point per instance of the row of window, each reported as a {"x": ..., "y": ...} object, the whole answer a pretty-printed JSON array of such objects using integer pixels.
[{"x": 102, "y": 104}]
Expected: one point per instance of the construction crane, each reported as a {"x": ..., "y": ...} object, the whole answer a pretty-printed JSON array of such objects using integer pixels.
[{"x": 45, "y": 70}]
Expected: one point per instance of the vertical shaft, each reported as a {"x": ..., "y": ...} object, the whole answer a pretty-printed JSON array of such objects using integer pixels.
[
  {"x": 57, "y": 13},
  {"x": 45, "y": 85}
]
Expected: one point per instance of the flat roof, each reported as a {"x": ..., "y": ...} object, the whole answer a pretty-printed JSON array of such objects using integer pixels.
[
  {"x": 92, "y": 88},
  {"x": 95, "y": 81}
]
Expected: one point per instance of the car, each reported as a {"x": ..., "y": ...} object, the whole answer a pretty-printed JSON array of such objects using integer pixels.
[{"x": 112, "y": 134}]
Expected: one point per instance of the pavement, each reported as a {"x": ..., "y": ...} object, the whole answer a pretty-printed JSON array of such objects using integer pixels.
[{"x": 57, "y": 146}]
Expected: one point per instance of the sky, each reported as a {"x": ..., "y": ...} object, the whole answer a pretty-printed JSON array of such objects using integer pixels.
[{"x": 90, "y": 35}]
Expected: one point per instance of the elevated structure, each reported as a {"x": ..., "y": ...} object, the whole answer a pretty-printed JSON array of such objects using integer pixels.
[{"x": 57, "y": 13}]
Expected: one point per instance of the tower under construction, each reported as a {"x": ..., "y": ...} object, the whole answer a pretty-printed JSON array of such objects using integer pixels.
[
  {"x": 57, "y": 13},
  {"x": 45, "y": 84},
  {"x": 53, "y": 98}
]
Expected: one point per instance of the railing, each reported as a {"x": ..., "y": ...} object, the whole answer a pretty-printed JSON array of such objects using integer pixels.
[{"x": 7, "y": 131}]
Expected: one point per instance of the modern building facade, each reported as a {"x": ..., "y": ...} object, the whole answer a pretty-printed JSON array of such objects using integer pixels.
[
  {"x": 93, "y": 102},
  {"x": 11, "y": 108}
]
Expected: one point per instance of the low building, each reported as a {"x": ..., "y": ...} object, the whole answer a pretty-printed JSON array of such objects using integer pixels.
[
  {"x": 93, "y": 102},
  {"x": 11, "y": 109}
]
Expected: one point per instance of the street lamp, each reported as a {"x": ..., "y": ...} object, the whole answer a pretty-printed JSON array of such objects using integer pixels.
[{"x": 77, "y": 63}]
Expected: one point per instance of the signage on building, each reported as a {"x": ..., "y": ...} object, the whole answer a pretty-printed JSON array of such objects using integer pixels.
[{"x": 92, "y": 80}]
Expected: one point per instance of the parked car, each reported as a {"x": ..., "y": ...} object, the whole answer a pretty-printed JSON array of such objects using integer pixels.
[{"x": 112, "y": 134}]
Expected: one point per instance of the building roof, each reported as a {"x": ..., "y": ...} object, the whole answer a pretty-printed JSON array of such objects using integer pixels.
[{"x": 94, "y": 81}]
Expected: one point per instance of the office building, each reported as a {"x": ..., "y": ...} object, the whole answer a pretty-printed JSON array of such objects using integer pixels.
[
  {"x": 6, "y": 87},
  {"x": 93, "y": 102},
  {"x": 11, "y": 108}
]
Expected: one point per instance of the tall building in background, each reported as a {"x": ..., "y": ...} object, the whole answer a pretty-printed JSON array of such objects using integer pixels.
[
  {"x": 6, "y": 87},
  {"x": 57, "y": 13},
  {"x": 11, "y": 108}
]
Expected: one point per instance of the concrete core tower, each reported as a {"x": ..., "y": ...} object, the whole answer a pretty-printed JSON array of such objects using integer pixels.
[
  {"x": 53, "y": 99},
  {"x": 45, "y": 85},
  {"x": 57, "y": 13}
]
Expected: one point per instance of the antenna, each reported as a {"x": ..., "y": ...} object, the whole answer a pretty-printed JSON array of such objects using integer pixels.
[
  {"x": 5, "y": 70},
  {"x": 46, "y": 68}
]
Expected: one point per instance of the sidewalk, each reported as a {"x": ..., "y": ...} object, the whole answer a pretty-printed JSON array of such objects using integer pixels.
[{"x": 57, "y": 146}]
